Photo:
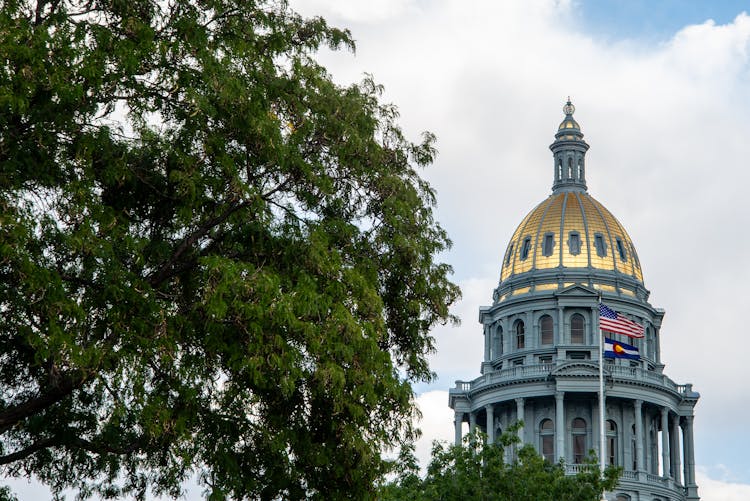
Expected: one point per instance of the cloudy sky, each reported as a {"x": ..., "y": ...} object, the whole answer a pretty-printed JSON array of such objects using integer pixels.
[{"x": 662, "y": 96}]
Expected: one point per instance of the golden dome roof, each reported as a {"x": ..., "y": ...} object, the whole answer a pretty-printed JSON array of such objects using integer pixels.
[{"x": 571, "y": 230}]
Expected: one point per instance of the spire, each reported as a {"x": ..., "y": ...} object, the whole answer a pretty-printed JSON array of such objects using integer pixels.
[{"x": 569, "y": 152}]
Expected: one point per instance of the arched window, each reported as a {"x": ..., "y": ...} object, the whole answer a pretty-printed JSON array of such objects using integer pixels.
[
  {"x": 622, "y": 497},
  {"x": 580, "y": 171},
  {"x": 577, "y": 326},
  {"x": 547, "y": 329},
  {"x": 497, "y": 342},
  {"x": 611, "y": 442},
  {"x": 520, "y": 335},
  {"x": 578, "y": 429},
  {"x": 547, "y": 440},
  {"x": 559, "y": 171},
  {"x": 570, "y": 168}
]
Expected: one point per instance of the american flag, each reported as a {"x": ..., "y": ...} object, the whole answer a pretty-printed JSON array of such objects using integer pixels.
[{"x": 611, "y": 321}]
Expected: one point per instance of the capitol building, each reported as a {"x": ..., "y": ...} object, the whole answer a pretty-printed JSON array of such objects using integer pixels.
[{"x": 542, "y": 338}]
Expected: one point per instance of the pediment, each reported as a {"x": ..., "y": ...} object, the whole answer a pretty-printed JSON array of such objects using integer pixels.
[
  {"x": 577, "y": 368},
  {"x": 577, "y": 290}
]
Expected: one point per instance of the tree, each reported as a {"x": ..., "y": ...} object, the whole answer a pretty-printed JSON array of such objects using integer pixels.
[
  {"x": 477, "y": 470},
  {"x": 212, "y": 258}
]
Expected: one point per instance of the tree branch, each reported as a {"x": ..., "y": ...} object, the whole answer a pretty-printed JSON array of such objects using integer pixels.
[
  {"x": 166, "y": 270},
  {"x": 28, "y": 451},
  {"x": 67, "y": 384}
]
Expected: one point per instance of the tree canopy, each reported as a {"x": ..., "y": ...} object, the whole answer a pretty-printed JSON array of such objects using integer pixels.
[
  {"x": 478, "y": 471},
  {"x": 213, "y": 259}
]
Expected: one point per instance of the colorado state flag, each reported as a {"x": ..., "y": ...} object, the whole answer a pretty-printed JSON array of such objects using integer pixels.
[{"x": 616, "y": 349}]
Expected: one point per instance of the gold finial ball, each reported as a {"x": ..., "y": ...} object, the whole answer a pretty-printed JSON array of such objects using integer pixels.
[{"x": 569, "y": 109}]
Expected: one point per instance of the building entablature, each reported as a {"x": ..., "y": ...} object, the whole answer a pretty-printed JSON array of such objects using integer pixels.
[
  {"x": 579, "y": 377},
  {"x": 574, "y": 295},
  {"x": 612, "y": 282}
]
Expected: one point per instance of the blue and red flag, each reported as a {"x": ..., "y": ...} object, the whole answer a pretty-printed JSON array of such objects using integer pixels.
[
  {"x": 611, "y": 321},
  {"x": 616, "y": 349}
]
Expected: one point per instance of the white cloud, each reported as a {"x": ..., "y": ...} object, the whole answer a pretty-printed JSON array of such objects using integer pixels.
[
  {"x": 436, "y": 423},
  {"x": 360, "y": 11},
  {"x": 668, "y": 130}
]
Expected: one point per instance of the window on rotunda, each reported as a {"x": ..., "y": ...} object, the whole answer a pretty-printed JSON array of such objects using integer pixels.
[
  {"x": 549, "y": 244},
  {"x": 577, "y": 329},
  {"x": 574, "y": 243},
  {"x": 497, "y": 342},
  {"x": 611, "y": 442},
  {"x": 601, "y": 247},
  {"x": 520, "y": 335},
  {"x": 547, "y": 328},
  {"x": 547, "y": 440},
  {"x": 578, "y": 429}
]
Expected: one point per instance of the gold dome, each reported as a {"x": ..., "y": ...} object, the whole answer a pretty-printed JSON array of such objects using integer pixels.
[{"x": 592, "y": 239}]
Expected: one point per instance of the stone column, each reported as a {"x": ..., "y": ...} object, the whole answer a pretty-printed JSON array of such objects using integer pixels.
[
  {"x": 490, "y": 424},
  {"x": 590, "y": 337},
  {"x": 665, "y": 442},
  {"x": 559, "y": 332},
  {"x": 530, "y": 340},
  {"x": 675, "y": 448},
  {"x": 560, "y": 423},
  {"x": 692, "y": 490},
  {"x": 457, "y": 422},
  {"x": 638, "y": 404},
  {"x": 520, "y": 416},
  {"x": 507, "y": 340},
  {"x": 472, "y": 421},
  {"x": 488, "y": 335}
]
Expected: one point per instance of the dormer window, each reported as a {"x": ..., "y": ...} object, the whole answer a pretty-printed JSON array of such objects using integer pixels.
[
  {"x": 510, "y": 253},
  {"x": 621, "y": 250},
  {"x": 601, "y": 247},
  {"x": 574, "y": 243},
  {"x": 525, "y": 248},
  {"x": 548, "y": 246}
]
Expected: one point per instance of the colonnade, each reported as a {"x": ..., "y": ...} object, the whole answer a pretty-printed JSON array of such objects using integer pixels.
[{"x": 677, "y": 463}]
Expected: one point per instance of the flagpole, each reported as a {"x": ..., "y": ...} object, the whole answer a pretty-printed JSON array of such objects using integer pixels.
[{"x": 602, "y": 451}]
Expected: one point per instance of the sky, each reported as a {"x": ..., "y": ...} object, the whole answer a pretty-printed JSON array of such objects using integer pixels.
[{"x": 662, "y": 96}]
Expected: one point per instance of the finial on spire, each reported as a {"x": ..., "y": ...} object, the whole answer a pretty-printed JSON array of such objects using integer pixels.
[{"x": 569, "y": 109}]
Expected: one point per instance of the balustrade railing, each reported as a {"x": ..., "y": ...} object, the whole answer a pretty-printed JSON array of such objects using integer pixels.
[{"x": 535, "y": 370}]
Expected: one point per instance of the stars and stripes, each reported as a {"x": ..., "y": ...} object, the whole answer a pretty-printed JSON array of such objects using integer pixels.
[
  {"x": 616, "y": 349},
  {"x": 611, "y": 321}
]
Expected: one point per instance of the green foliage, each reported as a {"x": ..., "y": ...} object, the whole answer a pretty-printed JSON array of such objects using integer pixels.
[
  {"x": 476, "y": 470},
  {"x": 212, "y": 258}
]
